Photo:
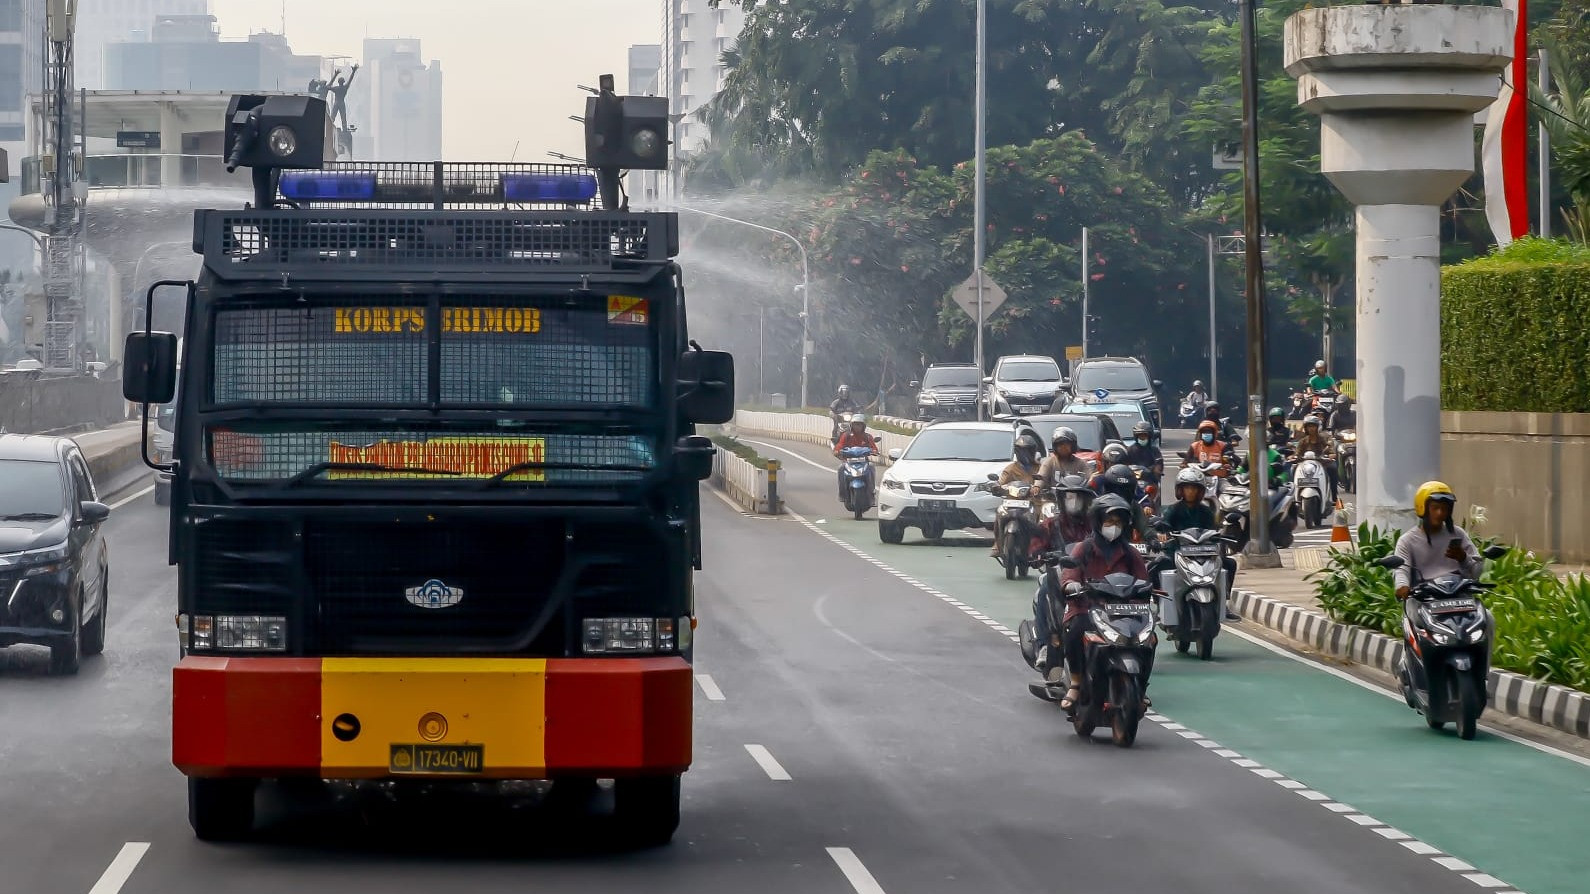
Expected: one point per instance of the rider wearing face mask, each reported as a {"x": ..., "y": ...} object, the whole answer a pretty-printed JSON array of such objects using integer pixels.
[
  {"x": 1106, "y": 552},
  {"x": 1223, "y": 428},
  {"x": 1207, "y": 446},
  {"x": 1278, "y": 434},
  {"x": 1190, "y": 511},
  {"x": 1059, "y": 532},
  {"x": 1142, "y": 452}
]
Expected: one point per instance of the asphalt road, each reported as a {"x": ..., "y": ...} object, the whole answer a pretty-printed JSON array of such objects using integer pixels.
[{"x": 855, "y": 732}]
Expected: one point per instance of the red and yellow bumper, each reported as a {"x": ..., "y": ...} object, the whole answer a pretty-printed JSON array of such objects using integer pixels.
[{"x": 344, "y": 718}]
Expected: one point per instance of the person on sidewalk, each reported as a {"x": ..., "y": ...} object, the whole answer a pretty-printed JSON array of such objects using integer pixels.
[
  {"x": 1435, "y": 546},
  {"x": 1190, "y": 511}
]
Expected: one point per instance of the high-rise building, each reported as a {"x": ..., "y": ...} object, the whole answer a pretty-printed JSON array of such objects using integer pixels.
[
  {"x": 645, "y": 65},
  {"x": 186, "y": 52},
  {"x": 103, "y": 22},
  {"x": 695, "y": 37},
  {"x": 396, "y": 103},
  {"x": 21, "y": 68}
]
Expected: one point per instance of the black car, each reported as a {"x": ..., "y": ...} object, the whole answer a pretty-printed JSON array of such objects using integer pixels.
[
  {"x": 1093, "y": 430},
  {"x": 1120, "y": 378},
  {"x": 54, "y": 566},
  {"x": 947, "y": 391}
]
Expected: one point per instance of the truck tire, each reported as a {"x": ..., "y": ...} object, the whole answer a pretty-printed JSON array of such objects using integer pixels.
[
  {"x": 221, "y": 809},
  {"x": 647, "y": 808}
]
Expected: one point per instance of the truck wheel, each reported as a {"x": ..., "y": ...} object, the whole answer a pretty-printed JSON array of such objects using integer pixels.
[
  {"x": 221, "y": 809},
  {"x": 647, "y": 808}
]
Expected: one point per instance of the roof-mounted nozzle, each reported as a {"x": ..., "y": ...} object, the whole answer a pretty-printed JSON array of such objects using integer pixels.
[
  {"x": 269, "y": 134},
  {"x": 624, "y": 133}
]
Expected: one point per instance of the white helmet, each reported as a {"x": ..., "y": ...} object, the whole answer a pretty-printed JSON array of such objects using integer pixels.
[
  {"x": 1319, "y": 364},
  {"x": 1190, "y": 475},
  {"x": 858, "y": 417}
]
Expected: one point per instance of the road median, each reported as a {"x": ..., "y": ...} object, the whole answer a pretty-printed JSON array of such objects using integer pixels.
[{"x": 747, "y": 478}]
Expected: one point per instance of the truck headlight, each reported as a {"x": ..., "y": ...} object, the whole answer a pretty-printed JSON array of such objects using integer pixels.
[
  {"x": 234, "y": 633},
  {"x": 635, "y": 636}
]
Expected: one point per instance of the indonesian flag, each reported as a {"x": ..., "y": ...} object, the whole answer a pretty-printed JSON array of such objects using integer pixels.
[{"x": 1504, "y": 149}]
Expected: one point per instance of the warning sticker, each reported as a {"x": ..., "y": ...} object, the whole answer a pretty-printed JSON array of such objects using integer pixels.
[{"x": 627, "y": 310}]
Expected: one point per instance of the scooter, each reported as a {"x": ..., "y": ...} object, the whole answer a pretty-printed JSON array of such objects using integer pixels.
[
  {"x": 1347, "y": 460},
  {"x": 1446, "y": 648},
  {"x": 1309, "y": 483},
  {"x": 1324, "y": 402},
  {"x": 1189, "y": 414},
  {"x": 1233, "y": 505},
  {"x": 858, "y": 479},
  {"x": 1018, "y": 523},
  {"x": 1192, "y": 595},
  {"x": 1118, "y": 656}
]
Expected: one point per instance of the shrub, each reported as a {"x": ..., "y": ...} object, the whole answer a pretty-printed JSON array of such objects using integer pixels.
[
  {"x": 743, "y": 451},
  {"x": 1542, "y": 621},
  {"x": 1512, "y": 324}
]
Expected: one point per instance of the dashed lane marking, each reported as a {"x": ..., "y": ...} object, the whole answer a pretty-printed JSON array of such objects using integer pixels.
[
  {"x": 121, "y": 868},
  {"x": 133, "y": 496},
  {"x": 770, "y": 765},
  {"x": 855, "y": 871},
  {"x": 709, "y": 687}
]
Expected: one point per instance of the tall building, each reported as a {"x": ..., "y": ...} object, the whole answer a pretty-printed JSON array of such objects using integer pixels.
[
  {"x": 695, "y": 37},
  {"x": 21, "y": 68},
  {"x": 645, "y": 65},
  {"x": 396, "y": 103},
  {"x": 103, "y": 22},
  {"x": 186, "y": 52}
]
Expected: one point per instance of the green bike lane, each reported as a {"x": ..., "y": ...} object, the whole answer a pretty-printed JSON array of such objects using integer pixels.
[{"x": 1515, "y": 812}]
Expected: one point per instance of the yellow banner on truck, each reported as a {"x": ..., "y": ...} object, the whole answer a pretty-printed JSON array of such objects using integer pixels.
[{"x": 467, "y": 457}]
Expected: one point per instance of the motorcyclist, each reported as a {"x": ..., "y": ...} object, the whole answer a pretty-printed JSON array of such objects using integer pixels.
[
  {"x": 1022, "y": 470},
  {"x": 1190, "y": 511},
  {"x": 1207, "y": 446},
  {"x": 1278, "y": 434},
  {"x": 1313, "y": 439},
  {"x": 1119, "y": 480},
  {"x": 841, "y": 405},
  {"x": 1212, "y": 414},
  {"x": 1142, "y": 452},
  {"x": 1435, "y": 546},
  {"x": 1105, "y": 552},
  {"x": 1321, "y": 381},
  {"x": 1343, "y": 417},
  {"x": 1197, "y": 396},
  {"x": 854, "y": 436},
  {"x": 1062, "y": 458},
  {"x": 1058, "y": 533}
]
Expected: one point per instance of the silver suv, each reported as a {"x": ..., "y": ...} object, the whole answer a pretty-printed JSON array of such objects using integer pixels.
[{"x": 1022, "y": 384}]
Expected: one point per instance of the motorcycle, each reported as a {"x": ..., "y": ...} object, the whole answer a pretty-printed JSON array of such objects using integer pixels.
[
  {"x": 1017, "y": 518},
  {"x": 1189, "y": 413},
  {"x": 1309, "y": 483},
  {"x": 1324, "y": 402},
  {"x": 1192, "y": 595},
  {"x": 1147, "y": 489},
  {"x": 858, "y": 479},
  {"x": 1446, "y": 651},
  {"x": 1347, "y": 460},
  {"x": 1232, "y": 506},
  {"x": 1118, "y": 656},
  {"x": 1300, "y": 404}
]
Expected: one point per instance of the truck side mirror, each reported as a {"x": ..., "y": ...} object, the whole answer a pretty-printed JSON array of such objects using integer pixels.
[
  {"x": 706, "y": 386},
  {"x": 694, "y": 455},
  {"x": 150, "y": 361}
]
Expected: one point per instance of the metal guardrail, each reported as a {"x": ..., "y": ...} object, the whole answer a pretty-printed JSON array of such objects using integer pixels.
[{"x": 747, "y": 485}]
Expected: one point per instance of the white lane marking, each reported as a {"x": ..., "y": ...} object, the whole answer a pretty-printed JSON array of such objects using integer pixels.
[
  {"x": 764, "y": 758},
  {"x": 131, "y": 497},
  {"x": 1267, "y": 773},
  {"x": 855, "y": 872},
  {"x": 1392, "y": 834},
  {"x": 1364, "y": 820},
  {"x": 1290, "y": 784},
  {"x": 709, "y": 688},
  {"x": 1485, "y": 881},
  {"x": 1452, "y": 863},
  {"x": 121, "y": 868},
  {"x": 1395, "y": 696}
]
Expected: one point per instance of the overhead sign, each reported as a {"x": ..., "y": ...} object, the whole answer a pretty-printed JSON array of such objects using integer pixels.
[
  {"x": 965, "y": 295},
  {"x": 138, "y": 139},
  {"x": 1073, "y": 352}
]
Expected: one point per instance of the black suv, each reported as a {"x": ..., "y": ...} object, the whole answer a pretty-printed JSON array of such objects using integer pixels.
[
  {"x": 947, "y": 391},
  {"x": 54, "y": 567},
  {"x": 1125, "y": 378}
]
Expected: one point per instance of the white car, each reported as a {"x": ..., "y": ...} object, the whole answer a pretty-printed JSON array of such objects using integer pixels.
[{"x": 938, "y": 482}]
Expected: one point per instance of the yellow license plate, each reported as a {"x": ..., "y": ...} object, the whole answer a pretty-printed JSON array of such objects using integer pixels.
[{"x": 447, "y": 760}]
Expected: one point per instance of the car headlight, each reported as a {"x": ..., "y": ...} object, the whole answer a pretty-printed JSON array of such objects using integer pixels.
[
  {"x": 893, "y": 483},
  {"x": 1101, "y": 622},
  {"x": 35, "y": 561},
  {"x": 927, "y": 399},
  {"x": 635, "y": 636},
  {"x": 233, "y": 633}
]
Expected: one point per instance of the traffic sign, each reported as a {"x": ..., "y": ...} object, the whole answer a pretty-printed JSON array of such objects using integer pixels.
[
  {"x": 965, "y": 295},
  {"x": 1073, "y": 352}
]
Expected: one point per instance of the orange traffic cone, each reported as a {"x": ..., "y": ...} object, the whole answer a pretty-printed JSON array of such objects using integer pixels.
[{"x": 1339, "y": 530}]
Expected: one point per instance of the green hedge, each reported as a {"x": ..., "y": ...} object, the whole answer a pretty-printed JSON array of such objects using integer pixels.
[
  {"x": 1542, "y": 622},
  {"x": 1514, "y": 334},
  {"x": 743, "y": 451}
]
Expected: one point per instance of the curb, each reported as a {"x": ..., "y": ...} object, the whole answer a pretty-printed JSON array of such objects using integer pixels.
[{"x": 1512, "y": 694}]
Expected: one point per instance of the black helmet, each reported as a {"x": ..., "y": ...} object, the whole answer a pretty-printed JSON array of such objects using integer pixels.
[
  {"x": 1345, "y": 400},
  {"x": 1143, "y": 428},
  {"x": 1113, "y": 453},
  {"x": 1107, "y": 505},
  {"x": 1074, "y": 484},
  {"x": 1063, "y": 434},
  {"x": 1027, "y": 444},
  {"x": 1212, "y": 406}
]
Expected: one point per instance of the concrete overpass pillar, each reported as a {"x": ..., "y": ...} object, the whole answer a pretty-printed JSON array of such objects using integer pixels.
[{"x": 1396, "y": 88}]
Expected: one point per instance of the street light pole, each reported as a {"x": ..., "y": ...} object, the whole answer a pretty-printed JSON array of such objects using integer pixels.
[
  {"x": 806, "y": 296},
  {"x": 1084, "y": 293},
  {"x": 1210, "y": 239},
  {"x": 979, "y": 203},
  {"x": 1259, "y": 551}
]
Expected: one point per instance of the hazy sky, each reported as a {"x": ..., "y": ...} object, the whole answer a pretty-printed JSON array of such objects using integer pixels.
[{"x": 509, "y": 67}]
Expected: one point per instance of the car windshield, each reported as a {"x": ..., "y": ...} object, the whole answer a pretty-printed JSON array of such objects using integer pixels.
[
  {"x": 1090, "y": 432},
  {"x": 1112, "y": 378},
  {"x": 1124, "y": 415},
  {"x": 968, "y": 444},
  {"x": 1029, "y": 371},
  {"x": 950, "y": 377},
  {"x": 29, "y": 488}
]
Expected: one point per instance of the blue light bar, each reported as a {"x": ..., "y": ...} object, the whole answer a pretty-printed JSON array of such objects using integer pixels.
[
  {"x": 327, "y": 186},
  {"x": 571, "y": 188}
]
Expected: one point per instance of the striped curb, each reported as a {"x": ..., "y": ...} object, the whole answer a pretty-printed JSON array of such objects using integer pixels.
[
  {"x": 1350, "y": 814},
  {"x": 1512, "y": 694}
]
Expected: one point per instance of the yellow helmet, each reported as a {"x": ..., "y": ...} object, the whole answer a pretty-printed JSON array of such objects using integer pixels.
[{"x": 1431, "y": 489}]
